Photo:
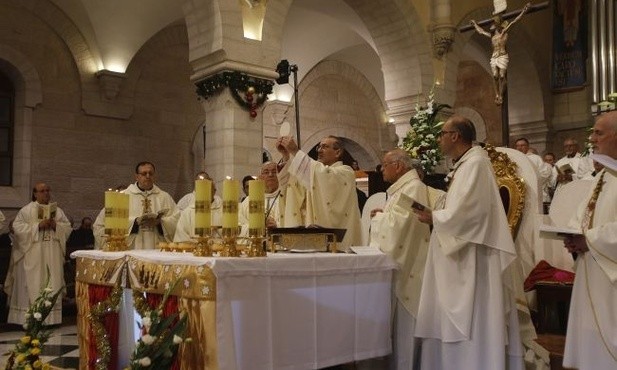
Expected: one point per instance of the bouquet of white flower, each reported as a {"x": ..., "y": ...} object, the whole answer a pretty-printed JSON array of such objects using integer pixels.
[
  {"x": 26, "y": 354},
  {"x": 421, "y": 140},
  {"x": 161, "y": 336}
]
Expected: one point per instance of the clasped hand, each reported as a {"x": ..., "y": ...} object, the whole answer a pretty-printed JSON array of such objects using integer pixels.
[
  {"x": 149, "y": 220},
  {"x": 48, "y": 223}
]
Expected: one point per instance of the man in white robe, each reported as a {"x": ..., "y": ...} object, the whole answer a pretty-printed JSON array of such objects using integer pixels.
[
  {"x": 40, "y": 243},
  {"x": 325, "y": 189},
  {"x": 467, "y": 312},
  {"x": 185, "y": 230},
  {"x": 153, "y": 214},
  {"x": 580, "y": 166},
  {"x": 272, "y": 201},
  {"x": 544, "y": 170},
  {"x": 398, "y": 233},
  {"x": 591, "y": 340}
]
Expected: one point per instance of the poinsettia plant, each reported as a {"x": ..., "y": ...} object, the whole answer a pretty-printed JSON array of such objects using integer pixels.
[{"x": 421, "y": 141}]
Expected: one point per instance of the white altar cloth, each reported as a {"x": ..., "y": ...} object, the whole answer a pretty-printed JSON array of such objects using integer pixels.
[{"x": 294, "y": 311}]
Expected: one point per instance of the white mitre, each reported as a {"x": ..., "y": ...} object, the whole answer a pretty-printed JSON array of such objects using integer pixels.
[{"x": 500, "y": 6}]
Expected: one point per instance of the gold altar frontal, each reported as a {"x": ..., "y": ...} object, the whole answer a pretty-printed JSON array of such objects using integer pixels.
[{"x": 196, "y": 293}]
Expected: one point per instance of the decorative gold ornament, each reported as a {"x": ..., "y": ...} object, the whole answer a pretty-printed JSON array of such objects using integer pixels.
[
  {"x": 115, "y": 243},
  {"x": 229, "y": 235},
  {"x": 97, "y": 318},
  {"x": 511, "y": 187},
  {"x": 256, "y": 243}
]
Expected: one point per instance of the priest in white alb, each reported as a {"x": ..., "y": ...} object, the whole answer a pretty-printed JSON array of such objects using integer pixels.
[
  {"x": 41, "y": 230},
  {"x": 153, "y": 214},
  {"x": 397, "y": 232},
  {"x": 467, "y": 315},
  {"x": 591, "y": 340},
  {"x": 320, "y": 192},
  {"x": 273, "y": 205}
]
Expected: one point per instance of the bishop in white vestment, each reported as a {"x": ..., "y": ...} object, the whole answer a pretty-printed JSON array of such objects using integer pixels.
[
  {"x": 467, "y": 312},
  {"x": 325, "y": 189},
  {"x": 591, "y": 340},
  {"x": 397, "y": 232},
  {"x": 40, "y": 243}
]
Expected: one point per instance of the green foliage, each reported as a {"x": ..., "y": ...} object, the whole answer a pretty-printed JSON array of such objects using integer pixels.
[
  {"x": 161, "y": 338},
  {"x": 26, "y": 354},
  {"x": 421, "y": 141}
]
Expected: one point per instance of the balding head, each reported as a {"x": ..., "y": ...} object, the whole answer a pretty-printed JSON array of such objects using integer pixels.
[
  {"x": 604, "y": 136},
  {"x": 457, "y": 136},
  {"x": 397, "y": 163}
]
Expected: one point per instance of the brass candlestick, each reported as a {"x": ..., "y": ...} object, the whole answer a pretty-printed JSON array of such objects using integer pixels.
[
  {"x": 115, "y": 242},
  {"x": 229, "y": 236},
  {"x": 203, "y": 248},
  {"x": 256, "y": 246}
]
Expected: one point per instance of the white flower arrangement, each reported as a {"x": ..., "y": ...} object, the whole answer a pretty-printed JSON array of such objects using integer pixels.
[
  {"x": 421, "y": 140},
  {"x": 26, "y": 354},
  {"x": 161, "y": 336}
]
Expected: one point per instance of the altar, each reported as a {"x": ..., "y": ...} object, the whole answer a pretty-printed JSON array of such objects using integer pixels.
[{"x": 285, "y": 311}]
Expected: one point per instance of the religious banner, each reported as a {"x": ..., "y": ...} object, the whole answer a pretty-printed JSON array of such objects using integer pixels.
[{"x": 569, "y": 45}]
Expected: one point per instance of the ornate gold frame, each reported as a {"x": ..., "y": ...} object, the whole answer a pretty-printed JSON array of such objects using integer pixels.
[{"x": 509, "y": 182}]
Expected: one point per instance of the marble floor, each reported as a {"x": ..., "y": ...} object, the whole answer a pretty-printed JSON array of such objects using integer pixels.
[{"x": 60, "y": 351}]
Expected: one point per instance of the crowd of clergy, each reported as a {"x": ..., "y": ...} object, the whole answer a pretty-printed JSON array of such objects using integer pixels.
[{"x": 458, "y": 303}]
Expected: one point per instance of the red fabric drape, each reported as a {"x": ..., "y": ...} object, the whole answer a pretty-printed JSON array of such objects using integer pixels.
[
  {"x": 171, "y": 307},
  {"x": 544, "y": 272},
  {"x": 96, "y": 294}
]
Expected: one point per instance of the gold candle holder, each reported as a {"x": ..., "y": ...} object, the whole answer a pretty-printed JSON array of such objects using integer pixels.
[
  {"x": 256, "y": 246},
  {"x": 115, "y": 243},
  {"x": 203, "y": 249},
  {"x": 229, "y": 236}
]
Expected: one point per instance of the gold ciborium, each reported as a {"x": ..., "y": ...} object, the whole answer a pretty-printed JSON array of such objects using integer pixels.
[
  {"x": 256, "y": 243},
  {"x": 115, "y": 242},
  {"x": 229, "y": 236}
]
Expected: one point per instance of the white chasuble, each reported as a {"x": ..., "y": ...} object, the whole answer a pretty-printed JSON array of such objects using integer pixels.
[
  {"x": 329, "y": 193},
  {"x": 34, "y": 251},
  {"x": 467, "y": 309},
  {"x": 591, "y": 340}
]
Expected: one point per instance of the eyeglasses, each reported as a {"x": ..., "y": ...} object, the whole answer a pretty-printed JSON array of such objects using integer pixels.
[
  {"x": 269, "y": 173},
  {"x": 144, "y": 174},
  {"x": 441, "y": 133}
]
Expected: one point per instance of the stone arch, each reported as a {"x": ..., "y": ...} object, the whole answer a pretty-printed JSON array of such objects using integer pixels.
[
  {"x": 28, "y": 95},
  {"x": 83, "y": 57},
  {"x": 223, "y": 37},
  {"x": 476, "y": 119},
  {"x": 348, "y": 87},
  {"x": 356, "y": 146},
  {"x": 400, "y": 41},
  {"x": 172, "y": 35}
]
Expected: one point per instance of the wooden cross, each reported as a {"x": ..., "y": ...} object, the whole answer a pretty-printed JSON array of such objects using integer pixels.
[{"x": 501, "y": 86}]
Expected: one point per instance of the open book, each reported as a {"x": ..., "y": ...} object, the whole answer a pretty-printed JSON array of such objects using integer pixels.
[
  {"x": 557, "y": 232},
  {"x": 47, "y": 211},
  {"x": 407, "y": 202},
  {"x": 565, "y": 168}
]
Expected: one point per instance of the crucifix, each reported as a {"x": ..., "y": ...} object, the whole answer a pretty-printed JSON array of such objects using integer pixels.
[{"x": 498, "y": 33}]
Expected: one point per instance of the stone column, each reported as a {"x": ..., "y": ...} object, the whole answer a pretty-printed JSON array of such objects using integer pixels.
[{"x": 233, "y": 103}]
